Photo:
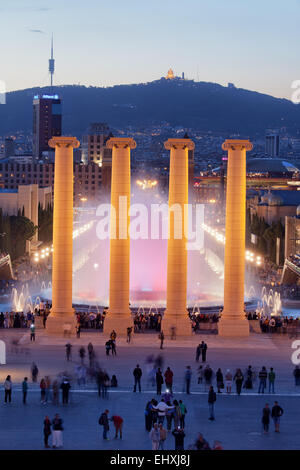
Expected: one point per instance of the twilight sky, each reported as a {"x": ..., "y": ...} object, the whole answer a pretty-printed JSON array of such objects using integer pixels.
[{"x": 252, "y": 43}]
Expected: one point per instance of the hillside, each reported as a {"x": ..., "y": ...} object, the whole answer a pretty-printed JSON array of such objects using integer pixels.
[{"x": 206, "y": 106}]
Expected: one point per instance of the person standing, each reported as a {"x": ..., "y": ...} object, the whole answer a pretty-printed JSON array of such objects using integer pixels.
[
  {"x": 183, "y": 413},
  {"x": 161, "y": 336},
  {"x": 137, "y": 373},
  {"x": 155, "y": 436},
  {"x": 266, "y": 418},
  {"x": 78, "y": 330},
  {"x": 262, "y": 380},
  {"x": 7, "y": 389},
  {"x": 129, "y": 332},
  {"x": 47, "y": 431},
  {"x": 212, "y": 398},
  {"x": 188, "y": 378},
  {"x": 32, "y": 332},
  {"x": 68, "y": 351},
  {"x": 277, "y": 412},
  {"x": 239, "y": 379},
  {"x": 169, "y": 379},
  {"x": 271, "y": 377},
  {"x": 118, "y": 424},
  {"x": 200, "y": 374},
  {"x": 65, "y": 386},
  {"x": 179, "y": 436},
  {"x": 203, "y": 351},
  {"x": 159, "y": 381},
  {"x": 198, "y": 352},
  {"x": 228, "y": 380},
  {"x": 103, "y": 421},
  {"x": 296, "y": 374},
  {"x": 162, "y": 436},
  {"x": 57, "y": 438},
  {"x": 25, "y": 389}
]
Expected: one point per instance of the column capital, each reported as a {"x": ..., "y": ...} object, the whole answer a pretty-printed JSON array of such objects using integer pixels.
[
  {"x": 121, "y": 142},
  {"x": 237, "y": 144},
  {"x": 179, "y": 144},
  {"x": 63, "y": 141}
]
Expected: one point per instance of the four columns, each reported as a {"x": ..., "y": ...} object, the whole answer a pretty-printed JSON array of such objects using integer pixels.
[
  {"x": 233, "y": 321},
  {"x": 62, "y": 314}
]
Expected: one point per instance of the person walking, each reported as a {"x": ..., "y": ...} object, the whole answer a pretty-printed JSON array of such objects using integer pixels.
[
  {"x": 34, "y": 372},
  {"x": 118, "y": 424},
  {"x": 57, "y": 438},
  {"x": 176, "y": 414},
  {"x": 183, "y": 413},
  {"x": 43, "y": 390},
  {"x": 212, "y": 398},
  {"x": 7, "y": 389},
  {"x": 103, "y": 421},
  {"x": 169, "y": 379},
  {"x": 220, "y": 381},
  {"x": 155, "y": 436},
  {"x": 179, "y": 436},
  {"x": 68, "y": 351},
  {"x": 25, "y": 389},
  {"x": 161, "y": 336},
  {"x": 129, "y": 332},
  {"x": 249, "y": 379},
  {"x": 159, "y": 381},
  {"x": 47, "y": 431},
  {"x": 113, "y": 347},
  {"x": 271, "y": 377},
  {"x": 266, "y": 418},
  {"x": 228, "y": 381},
  {"x": 262, "y": 380},
  {"x": 65, "y": 387},
  {"x": 162, "y": 436},
  {"x": 78, "y": 330},
  {"x": 239, "y": 379},
  {"x": 48, "y": 388},
  {"x": 137, "y": 373},
  {"x": 208, "y": 373},
  {"x": 203, "y": 351},
  {"x": 277, "y": 412},
  {"x": 188, "y": 378},
  {"x": 55, "y": 392},
  {"x": 32, "y": 332},
  {"x": 81, "y": 354},
  {"x": 91, "y": 354}
]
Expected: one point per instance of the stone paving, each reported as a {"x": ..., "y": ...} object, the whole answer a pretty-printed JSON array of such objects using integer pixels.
[{"x": 238, "y": 418}]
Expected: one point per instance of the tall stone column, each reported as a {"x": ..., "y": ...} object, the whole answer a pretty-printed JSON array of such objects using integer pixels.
[
  {"x": 62, "y": 314},
  {"x": 233, "y": 321},
  {"x": 119, "y": 315},
  {"x": 176, "y": 312}
]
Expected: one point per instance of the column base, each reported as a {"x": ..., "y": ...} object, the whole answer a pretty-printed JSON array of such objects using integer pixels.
[
  {"x": 117, "y": 323},
  {"x": 182, "y": 324},
  {"x": 233, "y": 327},
  {"x": 61, "y": 325}
]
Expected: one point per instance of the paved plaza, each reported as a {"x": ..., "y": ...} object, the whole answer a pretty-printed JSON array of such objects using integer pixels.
[{"x": 238, "y": 418}]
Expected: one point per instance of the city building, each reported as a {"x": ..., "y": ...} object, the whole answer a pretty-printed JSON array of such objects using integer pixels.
[
  {"x": 274, "y": 205},
  {"x": 87, "y": 178},
  {"x": 272, "y": 144},
  {"x": 47, "y": 123},
  {"x": 9, "y": 147}
]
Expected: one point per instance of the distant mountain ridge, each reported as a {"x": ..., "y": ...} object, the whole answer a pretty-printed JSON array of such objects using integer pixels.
[{"x": 202, "y": 105}]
